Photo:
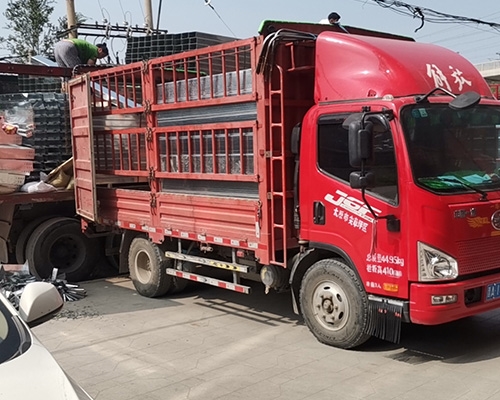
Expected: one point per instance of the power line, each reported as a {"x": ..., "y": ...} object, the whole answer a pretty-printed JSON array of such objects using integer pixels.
[
  {"x": 102, "y": 12},
  {"x": 125, "y": 14},
  {"x": 429, "y": 15},
  {"x": 208, "y": 3}
]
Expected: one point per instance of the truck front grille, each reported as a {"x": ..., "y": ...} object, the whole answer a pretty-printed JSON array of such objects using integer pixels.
[{"x": 478, "y": 255}]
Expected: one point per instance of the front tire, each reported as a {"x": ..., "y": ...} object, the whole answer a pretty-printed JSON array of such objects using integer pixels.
[
  {"x": 334, "y": 304},
  {"x": 147, "y": 267}
]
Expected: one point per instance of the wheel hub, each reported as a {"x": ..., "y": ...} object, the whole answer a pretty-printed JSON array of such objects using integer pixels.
[
  {"x": 143, "y": 263},
  {"x": 330, "y": 305}
]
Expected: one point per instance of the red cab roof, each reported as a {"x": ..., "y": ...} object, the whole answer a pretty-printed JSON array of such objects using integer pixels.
[{"x": 358, "y": 67}]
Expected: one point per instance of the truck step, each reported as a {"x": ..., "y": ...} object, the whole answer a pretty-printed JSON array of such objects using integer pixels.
[
  {"x": 207, "y": 261},
  {"x": 209, "y": 281}
]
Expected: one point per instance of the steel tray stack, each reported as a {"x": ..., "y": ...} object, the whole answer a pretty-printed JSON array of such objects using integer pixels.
[
  {"x": 147, "y": 47},
  {"x": 50, "y": 115}
]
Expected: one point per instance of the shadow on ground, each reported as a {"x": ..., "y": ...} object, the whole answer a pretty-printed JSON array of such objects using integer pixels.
[{"x": 464, "y": 341}]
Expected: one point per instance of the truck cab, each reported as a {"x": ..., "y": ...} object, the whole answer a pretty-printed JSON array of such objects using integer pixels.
[{"x": 399, "y": 175}]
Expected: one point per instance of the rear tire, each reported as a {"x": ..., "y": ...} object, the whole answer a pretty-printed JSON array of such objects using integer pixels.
[
  {"x": 334, "y": 304},
  {"x": 147, "y": 266},
  {"x": 60, "y": 243}
]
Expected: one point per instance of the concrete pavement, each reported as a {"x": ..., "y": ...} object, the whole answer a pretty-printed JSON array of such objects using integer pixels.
[{"x": 207, "y": 343}]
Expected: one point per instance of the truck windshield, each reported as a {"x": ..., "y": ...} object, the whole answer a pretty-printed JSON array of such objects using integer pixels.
[{"x": 453, "y": 150}]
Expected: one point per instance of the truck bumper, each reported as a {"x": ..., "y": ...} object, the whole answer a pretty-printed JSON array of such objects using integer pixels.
[{"x": 471, "y": 300}]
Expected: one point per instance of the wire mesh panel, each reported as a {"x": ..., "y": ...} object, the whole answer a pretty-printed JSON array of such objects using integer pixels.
[
  {"x": 120, "y": 152},
  {"x": 215, "y": 73},
  {"x": 209, "y": 151},
  {"x": 118, "y": 121},
  {"x": 120, "y": 89}
]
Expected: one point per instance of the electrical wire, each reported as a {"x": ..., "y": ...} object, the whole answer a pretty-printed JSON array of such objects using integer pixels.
[
  {"x": 429, "y": 15},
  {"x": 488, "y": 30},
  {"x": 208, "y": 3},
  {"x": 105, "y": 20},
  {"x": 125, "y": 14}
]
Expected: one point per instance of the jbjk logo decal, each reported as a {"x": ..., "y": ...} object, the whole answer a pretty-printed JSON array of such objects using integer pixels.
[{"x": 351, "y": 210}]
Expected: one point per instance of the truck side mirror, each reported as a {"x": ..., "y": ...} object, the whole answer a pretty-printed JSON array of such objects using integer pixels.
[
  {"x": 361, "y": 180},
  {"x": 360, "y": 143}
]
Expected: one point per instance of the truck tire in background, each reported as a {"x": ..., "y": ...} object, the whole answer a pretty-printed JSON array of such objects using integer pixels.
[
  {"x": 24, "y": 236},
  {"x": 334, "y": 304},
  {"x": 60, "y": 243},
  {"x": 178, "y": 285},
  {"x": 147, "y": 267}
]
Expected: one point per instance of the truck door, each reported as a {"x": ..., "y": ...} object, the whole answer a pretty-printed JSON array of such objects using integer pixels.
[
  {"x": 83, "y": 149},
  {"x": 335, "y": 216}
]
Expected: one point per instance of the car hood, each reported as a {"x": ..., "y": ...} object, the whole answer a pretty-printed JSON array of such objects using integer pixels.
[{"x": 36, "y": 375}]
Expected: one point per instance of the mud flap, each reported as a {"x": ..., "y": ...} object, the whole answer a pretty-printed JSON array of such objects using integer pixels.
[{"x": 385, "y": 317}]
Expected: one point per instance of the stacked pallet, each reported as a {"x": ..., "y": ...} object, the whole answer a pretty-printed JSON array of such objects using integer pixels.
[
  {"x": 16, "y": 160},
  {"x": 51, "y": 139}
]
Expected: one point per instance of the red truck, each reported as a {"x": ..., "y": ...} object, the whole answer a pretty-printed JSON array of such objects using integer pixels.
[{"x": 359, "y": 171}]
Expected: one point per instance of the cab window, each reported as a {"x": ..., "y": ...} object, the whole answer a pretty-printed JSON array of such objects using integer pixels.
[{"x": 333, "y": 156}]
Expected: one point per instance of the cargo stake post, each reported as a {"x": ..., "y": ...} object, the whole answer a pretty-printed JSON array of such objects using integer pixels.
[{"x": 353, "y": 169}]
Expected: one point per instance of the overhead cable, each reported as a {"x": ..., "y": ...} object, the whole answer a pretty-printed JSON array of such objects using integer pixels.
[
  {"x": 208, "y": 3},
  {"x": 429, "y": 15}
]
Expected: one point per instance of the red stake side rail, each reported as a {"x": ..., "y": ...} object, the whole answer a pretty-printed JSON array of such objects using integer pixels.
[{"x": 195, "y": 145}]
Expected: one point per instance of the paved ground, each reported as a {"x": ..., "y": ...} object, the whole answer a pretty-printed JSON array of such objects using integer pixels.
[{"x": 208, "y": 343}]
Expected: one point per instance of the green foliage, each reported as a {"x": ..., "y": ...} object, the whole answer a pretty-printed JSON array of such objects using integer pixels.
[
  {"x": 31, "y": 32},
  {"x": 62, "y": 23}
]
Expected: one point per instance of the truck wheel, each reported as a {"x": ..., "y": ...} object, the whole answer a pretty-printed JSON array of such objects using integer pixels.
[
  {"x": 179, "y": 284},
  {"x": 112, "y": 249},
  {"x": 24, "y": 236},
  {"x": 334, "y": 304},
  {"x": 60, "y": 243},
  {"x": 147, "y": 267}
]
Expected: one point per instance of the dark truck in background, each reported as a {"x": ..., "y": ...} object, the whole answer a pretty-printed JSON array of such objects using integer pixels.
[{"x": 40, "y": 227}]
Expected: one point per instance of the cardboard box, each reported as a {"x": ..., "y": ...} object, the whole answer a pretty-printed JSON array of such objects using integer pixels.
[
  {"x": 12, "y": 178},
  {"x": 19, "y": 166}
]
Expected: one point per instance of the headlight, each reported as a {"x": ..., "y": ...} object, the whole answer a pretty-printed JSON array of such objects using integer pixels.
[{"x": 434, "y": 265}]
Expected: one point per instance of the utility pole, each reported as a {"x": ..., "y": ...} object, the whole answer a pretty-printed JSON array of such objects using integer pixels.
[
  {"x": 71, "y": 17},
  {"x": 149, "y": 14}
]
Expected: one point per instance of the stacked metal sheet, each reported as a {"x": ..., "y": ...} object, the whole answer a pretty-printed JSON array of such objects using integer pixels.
[
  {"x": 152, "y": 46},
  {"x": 218, "y": 85},
  {"x": 51, "y": 139}
]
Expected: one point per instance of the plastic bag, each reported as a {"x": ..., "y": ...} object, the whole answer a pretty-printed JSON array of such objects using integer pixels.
[{"x": 37, "y": 187}]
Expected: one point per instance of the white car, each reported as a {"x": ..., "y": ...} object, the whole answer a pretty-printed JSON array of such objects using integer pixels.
[{"x": 27, "y": 368}]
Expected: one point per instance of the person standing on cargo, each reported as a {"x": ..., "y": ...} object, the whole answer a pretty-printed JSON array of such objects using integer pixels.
[
  {"x": 333, "y": 19},
  {"x": 72, "y": 52}
]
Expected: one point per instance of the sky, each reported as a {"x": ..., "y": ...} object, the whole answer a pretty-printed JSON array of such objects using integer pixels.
[{"x": 241, "y": 18}]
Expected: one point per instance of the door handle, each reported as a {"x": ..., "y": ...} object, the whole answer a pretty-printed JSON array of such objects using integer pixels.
[{"x": 319, "y": 213}]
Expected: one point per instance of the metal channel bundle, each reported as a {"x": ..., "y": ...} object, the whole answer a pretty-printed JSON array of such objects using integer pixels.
[
  {"x": 51, "y": 137},
  {"x": 147, "y": 47},
  {"x": 36, "y": 84},
  {"x": 216, "y": 86}
]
